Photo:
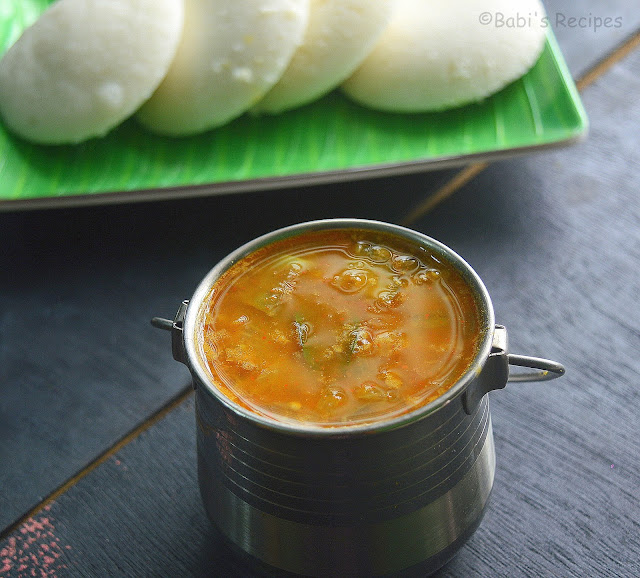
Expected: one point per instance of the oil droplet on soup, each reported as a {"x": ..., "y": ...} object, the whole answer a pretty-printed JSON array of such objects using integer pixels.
[{"x": 338, "y": 327}]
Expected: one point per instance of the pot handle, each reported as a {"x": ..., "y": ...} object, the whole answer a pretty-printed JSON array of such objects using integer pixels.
[
  {"x": 545, "y": 369},
  {"x": 175, "y": 326},
  {"x": 497, "y": 372}
]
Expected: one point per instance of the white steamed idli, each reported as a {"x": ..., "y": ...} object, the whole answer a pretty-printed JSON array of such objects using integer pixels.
[
  {"x": 86, "y": 65},
  {"x": 436, "y": 55},
  {"x": 339, "y": 36},
  {"x": 232, "y": 52}
]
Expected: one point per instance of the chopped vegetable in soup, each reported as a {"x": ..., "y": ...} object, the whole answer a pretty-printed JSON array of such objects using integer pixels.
[{"x": 338, "y": 327}]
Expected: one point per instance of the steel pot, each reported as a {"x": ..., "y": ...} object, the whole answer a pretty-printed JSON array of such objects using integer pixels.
[{"x": 390, "y": 497}]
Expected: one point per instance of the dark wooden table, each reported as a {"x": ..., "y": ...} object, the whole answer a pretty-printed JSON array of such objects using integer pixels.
[{"x": 97, "y": 456}]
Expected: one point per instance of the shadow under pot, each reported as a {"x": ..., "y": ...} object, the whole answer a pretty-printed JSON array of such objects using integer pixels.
[{"x": 340, "y": 369}]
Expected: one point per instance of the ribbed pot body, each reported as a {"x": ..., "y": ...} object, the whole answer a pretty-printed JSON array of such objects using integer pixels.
[{"x": 361, "y": 504}]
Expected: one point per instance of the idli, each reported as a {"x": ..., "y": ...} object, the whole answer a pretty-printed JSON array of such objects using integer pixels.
[
  {"x": 436, "y": 55},
  {"x": 86, "y": 65},
  {"x": 340, "y": 34},
  {"x": 232, "y": 52}
]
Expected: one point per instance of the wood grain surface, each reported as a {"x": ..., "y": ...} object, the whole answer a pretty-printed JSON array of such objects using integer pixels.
[
  {"x": 556, "y": 238},
  {"x": 584, "y": 33}
]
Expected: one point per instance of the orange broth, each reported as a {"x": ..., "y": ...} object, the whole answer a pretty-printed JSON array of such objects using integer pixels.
[{"x": 338, "y": 327}]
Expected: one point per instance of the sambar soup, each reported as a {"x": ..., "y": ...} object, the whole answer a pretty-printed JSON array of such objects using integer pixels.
[{"x": 338, "y": 327}]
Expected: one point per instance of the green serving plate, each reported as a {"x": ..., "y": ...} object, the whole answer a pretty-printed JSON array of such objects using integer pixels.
[{"x": 330, "y": 140}]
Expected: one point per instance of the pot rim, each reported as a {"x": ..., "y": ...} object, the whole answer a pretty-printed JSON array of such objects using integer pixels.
[{"x": 198, "y": 371}]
